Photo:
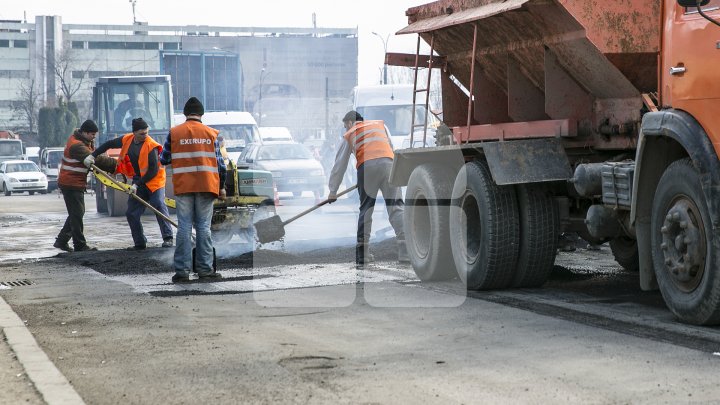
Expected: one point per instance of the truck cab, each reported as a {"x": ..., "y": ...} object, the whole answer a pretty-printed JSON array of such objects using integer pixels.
[{"x": 50, "y": 160}]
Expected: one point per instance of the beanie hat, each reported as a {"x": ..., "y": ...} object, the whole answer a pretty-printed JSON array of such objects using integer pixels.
[
  {"x": 88, "y": 126},
  {"x": 352, "y": 116},
  {"x": 193, "y": 106},
  {"x": 138, "y": 124}
]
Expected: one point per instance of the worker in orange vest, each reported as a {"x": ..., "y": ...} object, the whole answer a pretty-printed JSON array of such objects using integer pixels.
[
  {"x": 72, "y": 182},
  {"x": 372, "y": 147},
  {"x": 139, "y": 161},
  {"x": 198, "y": 175}
]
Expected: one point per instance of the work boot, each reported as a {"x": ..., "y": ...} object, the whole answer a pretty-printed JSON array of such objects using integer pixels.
[
  {"x": 402, "y": 252},
  {"x": 168, "y": 242},
  {"x": 62, "y": 246},
  {"x": 210, "y": 276},
  {"x": 85, "y": 248},
  {"x": 363, "y": 257},
  {"x": 180, "y": 279}
]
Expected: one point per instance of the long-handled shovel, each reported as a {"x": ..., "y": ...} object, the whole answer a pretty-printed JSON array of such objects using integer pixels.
[{"x": 273, "y": 228}]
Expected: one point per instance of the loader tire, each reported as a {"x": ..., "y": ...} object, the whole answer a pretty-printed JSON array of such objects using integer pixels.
[
  {"x": 484, "y": 229},
  {"x": 425, "y": 219},
  {"x": 539, "y": 229}
]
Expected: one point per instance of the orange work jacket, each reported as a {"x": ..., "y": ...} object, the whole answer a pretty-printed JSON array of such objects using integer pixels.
[
  {"x": 369, "y": 141},
  {"x": 73, "y": 173},
  {"x": 194, "y": 163},
  {"x": 125, "y": 166}
]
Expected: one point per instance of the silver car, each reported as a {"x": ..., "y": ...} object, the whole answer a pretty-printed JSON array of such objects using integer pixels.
[{"x": 293, "y": 166}]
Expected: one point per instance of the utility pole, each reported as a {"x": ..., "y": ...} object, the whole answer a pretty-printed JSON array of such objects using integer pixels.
[
  {"x": 133, "y": 2},
  {"x": 385, "y": 66}
]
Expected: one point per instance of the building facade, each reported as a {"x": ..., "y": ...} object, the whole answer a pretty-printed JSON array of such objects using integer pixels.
[{"x": 281, "y": 75}]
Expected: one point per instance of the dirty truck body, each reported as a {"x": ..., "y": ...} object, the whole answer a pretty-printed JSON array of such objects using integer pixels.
[{"x": 593, "y": 117}]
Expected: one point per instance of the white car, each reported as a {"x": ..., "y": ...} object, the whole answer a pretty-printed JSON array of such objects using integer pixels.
[{"x": 17, "y": 176}]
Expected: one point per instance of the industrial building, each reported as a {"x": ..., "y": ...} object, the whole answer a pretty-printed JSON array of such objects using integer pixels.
[{"x": 295, "y": 77}]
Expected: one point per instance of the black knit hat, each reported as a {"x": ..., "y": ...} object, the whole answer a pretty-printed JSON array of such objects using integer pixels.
[
  {"x": 352, "y": 116},
  {"x": 193, "y": 106},
  {"x": 88, "y": 126},
  {"x": 138, "y": 124}
]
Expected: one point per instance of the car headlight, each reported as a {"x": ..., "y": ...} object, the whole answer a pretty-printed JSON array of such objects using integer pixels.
[
  {"x": 43, "y": 178},
  {"x": 14, "y": 180},
  {"x": 316, "y": 172},
  {"x": 276, "y": 174}
]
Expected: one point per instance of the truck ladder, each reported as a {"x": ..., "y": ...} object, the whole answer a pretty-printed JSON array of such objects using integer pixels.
[{"x": 426, "y": 90}]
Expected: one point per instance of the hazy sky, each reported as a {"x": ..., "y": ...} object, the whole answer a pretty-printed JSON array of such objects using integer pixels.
[{"x": 381, "y": 16}]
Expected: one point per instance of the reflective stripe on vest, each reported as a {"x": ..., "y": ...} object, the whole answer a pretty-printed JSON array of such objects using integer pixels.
[
  {"x": 149, "y": 144},
  {"x": 368, "y": 141},
  {"x": 194, "y": 162},
  {"x": 73, "y": 173}
]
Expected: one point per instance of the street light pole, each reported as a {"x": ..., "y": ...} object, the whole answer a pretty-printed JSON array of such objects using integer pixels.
[{"x": 384, "y": 42}]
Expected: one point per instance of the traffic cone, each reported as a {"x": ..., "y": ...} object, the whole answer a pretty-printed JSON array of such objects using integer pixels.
[{"x": 277, "y": 197}]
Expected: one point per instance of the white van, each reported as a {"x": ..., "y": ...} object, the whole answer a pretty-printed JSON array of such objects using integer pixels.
[
  {"x": 393, "y": 103},
  {"x": 50, "y": 160},
  {"x": 237, "y": 129}
]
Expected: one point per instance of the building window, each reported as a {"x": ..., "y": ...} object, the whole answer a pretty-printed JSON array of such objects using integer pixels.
[
  {"x": 78, "y": 45},
  {"x": 78, "y": 74},
  {"x": 133, "y": 45},
  {"x": 171, "y": 46},
  {"x": 4, "y": 43},
  {"x": 106, "y": 45},
  {"x": 20, "y": 43},
  {"x": 151, "y": 45}
]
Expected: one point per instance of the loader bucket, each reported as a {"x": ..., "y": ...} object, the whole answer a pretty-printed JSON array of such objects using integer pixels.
[{"x": 270, "y": 229}]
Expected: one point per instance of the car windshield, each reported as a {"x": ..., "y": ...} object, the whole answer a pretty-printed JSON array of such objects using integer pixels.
[
  {"x": 237, "y": 136},
  {"x": 54, "y": 158},
  {"x": 21, "y": 167},
  {"x": 12, "y": 148},
  {"x": 284, "y": 151}
]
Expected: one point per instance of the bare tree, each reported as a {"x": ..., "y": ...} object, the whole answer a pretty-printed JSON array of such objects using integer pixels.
[
  {"x": 63, "y": 65},
  {"x": 27, "y": 105}
]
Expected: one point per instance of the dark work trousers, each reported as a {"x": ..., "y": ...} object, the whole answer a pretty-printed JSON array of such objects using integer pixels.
[
  {"x": 73, "y": 228},
  {"x": 136, "y": 209},
  {"x": 373, "y": 177}
]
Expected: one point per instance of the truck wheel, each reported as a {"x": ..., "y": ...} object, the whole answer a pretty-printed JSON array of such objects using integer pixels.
[
  {"x": 484, "y": 229},
  {"x": 626, "y": 253},
  {"x": 425, "y": 221},
  {"x": 539, "y": 229},
  {"x": 684, "y": 248}
]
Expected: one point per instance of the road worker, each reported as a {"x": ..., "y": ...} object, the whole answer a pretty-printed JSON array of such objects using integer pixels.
[{"x": 372, "y": 147}]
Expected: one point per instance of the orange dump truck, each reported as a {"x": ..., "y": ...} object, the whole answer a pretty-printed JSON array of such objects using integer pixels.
[{"x": 596, "y": 117}]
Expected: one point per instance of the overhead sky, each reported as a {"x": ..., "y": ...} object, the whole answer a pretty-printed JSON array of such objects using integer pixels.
[{"x": 381, "y": 16}]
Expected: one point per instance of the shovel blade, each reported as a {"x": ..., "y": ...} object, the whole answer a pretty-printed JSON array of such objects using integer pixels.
[{"x": 270, "y": 229}]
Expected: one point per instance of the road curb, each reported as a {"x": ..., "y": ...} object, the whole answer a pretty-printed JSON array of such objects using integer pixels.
[{"x": 47, "y": 379}]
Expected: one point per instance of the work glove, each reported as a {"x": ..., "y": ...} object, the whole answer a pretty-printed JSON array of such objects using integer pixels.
[
  {"x": 332, "y": 197},
  {"x": 89, "y": 161},
  {"x": 133, "y": 189}
]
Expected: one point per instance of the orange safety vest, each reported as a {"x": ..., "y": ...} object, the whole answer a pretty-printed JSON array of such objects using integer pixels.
[
  {"x": 126, "y": 168},
  {"x": 369, "y": 141},
  {"x": 194, "y": 163},
  {"x": 73, "y": 173}
]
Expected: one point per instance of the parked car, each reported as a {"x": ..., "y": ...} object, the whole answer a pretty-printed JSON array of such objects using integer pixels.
[
  {"x": 17, "y": 176},
  {"x": 292, "y": 165}
]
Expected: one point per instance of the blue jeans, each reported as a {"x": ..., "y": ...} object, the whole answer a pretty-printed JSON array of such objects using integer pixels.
[
  {"x": 136, "y": 209},
  {"x": 194, "y": 210}
]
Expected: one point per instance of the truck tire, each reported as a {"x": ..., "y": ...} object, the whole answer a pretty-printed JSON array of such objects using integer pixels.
[
  {"x": 539, "y": 229},
  {"x": 626, "y": 253},
  {"x": 684, "y": 249},
  {"x": 425, "y": 220},
  {"x": 6, "y": 190},
  {"x": 484, "y": 229}
]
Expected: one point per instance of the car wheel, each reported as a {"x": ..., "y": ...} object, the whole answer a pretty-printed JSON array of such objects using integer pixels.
[
  {"x": 7, "y": 191},
  {"x": 31, "y": 192}
]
